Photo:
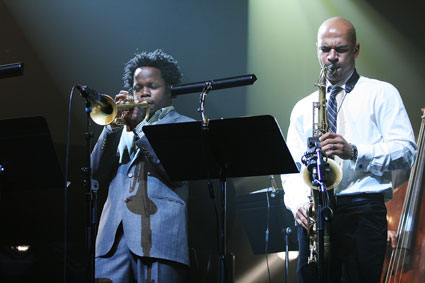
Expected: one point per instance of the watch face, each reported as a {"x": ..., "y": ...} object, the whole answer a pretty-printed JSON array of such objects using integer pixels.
[{"x": 354, "y": 152}]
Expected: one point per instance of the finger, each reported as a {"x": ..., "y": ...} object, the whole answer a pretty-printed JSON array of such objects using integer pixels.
[
  {"x": 120, "y": 97},
  {"x": 324, "y": 136},
  {"x": 330, "y": 140},
  {"x": 329, "y": 147},
  {"x": 302, "y": 220},
  {"x": 327, "y": 136},
  {"x": 329, "y": 151},
  {"x": 302, "y": 211},
  {"x": 124, "y": 93},
  {"x": 393, "y": 241}
]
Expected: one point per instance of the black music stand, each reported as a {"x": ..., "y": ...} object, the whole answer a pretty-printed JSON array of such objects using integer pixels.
[
  {"x": 29, "y": 165},
  {"x": 27, "y": 155},
  {"x": 227, "y": 148}
]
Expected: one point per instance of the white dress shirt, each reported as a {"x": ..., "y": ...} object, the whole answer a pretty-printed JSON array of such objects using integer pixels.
[
  {"x": 127, "y": 142},
  {"x": 372, "y": 116}
]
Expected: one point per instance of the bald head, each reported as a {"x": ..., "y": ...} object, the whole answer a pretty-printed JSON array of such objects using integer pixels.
[{"x": 338, "y": 25}]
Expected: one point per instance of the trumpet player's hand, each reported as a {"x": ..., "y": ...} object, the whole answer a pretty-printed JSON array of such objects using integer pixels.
[
  {"x": 334, "y": 144},
  {"x": 132, "y": 116},
  {"x": 301, "y": 215}
]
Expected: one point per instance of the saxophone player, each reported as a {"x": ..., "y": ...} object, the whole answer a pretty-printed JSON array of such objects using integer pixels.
[{"x": 369, "y": 136}]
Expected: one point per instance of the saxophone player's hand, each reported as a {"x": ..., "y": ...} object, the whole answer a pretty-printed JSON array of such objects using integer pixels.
[
  {"x": 301, "y": 215},
  {"x": 334, "y": 144}
]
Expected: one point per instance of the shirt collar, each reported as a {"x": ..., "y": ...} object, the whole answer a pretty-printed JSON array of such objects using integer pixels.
[
  {"x": 159, "y": 114},
  {"x": 348, "y": 84}
]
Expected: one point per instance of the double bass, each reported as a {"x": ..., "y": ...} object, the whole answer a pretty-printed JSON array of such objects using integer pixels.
[{"x": 406, "y": 262}]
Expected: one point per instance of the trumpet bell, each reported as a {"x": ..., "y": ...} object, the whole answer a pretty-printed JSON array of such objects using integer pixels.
[
  {"x": 334, "y": 176},
  {"x": 100, "y": 117}
]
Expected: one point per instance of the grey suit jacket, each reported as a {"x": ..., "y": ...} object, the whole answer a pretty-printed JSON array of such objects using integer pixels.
[{"x": 150, "y": 206}]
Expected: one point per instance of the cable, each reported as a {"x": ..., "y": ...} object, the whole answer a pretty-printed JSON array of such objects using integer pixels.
[
  {"x": 212, "y": 197},
  {"x": 65, "y": 192},
  {"x": 267, "y": 232}
]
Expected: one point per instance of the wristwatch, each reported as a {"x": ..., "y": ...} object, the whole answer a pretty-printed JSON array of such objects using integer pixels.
[{"x": 354, "y": 152}]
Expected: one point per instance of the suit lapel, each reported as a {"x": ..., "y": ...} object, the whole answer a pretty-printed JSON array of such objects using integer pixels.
[{"x": 170, "y": 118}]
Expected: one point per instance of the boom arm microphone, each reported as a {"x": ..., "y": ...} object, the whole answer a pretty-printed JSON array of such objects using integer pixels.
[
  {"x": 95, "y": 98},
  {"x": 215, "y": 84},
  {"x": 11, "y": 70}
]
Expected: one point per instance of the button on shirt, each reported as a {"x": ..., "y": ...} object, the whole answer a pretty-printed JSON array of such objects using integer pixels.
[{"x": 372, "y": 116}]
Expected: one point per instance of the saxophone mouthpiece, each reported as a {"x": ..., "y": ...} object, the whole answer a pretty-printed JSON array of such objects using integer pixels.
[{"x": 332, "y": 69}]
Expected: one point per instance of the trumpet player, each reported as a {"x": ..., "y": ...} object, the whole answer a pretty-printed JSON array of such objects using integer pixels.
[
  {"x": 369, "y": 136},
  {"x": 142, "y": 233}
]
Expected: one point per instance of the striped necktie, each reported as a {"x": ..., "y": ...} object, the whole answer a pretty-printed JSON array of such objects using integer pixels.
[{"x": 332, "y": 107}]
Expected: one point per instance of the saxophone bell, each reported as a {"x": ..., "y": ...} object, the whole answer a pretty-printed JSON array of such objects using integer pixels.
[{"x": 331, "y": 175}]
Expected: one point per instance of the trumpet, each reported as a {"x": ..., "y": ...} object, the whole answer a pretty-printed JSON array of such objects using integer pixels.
[{"x": 100, "y": 117}]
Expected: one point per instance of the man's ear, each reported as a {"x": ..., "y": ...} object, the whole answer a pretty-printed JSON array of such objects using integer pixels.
[{"x": 356, "y": 50}]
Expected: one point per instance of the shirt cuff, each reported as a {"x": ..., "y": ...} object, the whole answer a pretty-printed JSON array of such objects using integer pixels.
[{"x": 364, "y": 157}]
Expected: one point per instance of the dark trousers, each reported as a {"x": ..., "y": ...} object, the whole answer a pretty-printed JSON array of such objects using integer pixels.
[{"x": 359, "y": 235}]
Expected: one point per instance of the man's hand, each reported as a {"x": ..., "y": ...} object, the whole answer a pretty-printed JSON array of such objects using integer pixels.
[
  {"x": 334, "y": 144},
  {"x": 301, "y": 215},
  {"x": 392, "y": 238},
  {"x": 132, "y": 116}
]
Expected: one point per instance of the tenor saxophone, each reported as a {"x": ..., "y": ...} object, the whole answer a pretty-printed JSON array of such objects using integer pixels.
[{"x": 333, "y": 172}]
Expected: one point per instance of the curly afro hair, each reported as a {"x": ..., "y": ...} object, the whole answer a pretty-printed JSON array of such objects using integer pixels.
[{"x": 170, "y": 71}]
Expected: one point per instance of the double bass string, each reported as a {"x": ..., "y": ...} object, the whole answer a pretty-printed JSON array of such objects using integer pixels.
[{"x": 408, "y": 217}]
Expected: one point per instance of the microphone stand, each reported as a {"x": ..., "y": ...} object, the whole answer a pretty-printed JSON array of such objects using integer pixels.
[
  {"x": 315, "y": 160},
  {"x": 321, "y": 210},
  {"x": 205, "y": 87},
  {"x": 2, "y": 173},
  {"x": 288, "y": 231},
  {"x": 91, "y": 187},
  {"x": 225, "y": 274}
]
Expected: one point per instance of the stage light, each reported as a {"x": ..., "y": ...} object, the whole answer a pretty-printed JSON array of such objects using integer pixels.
[{"x": 20, "y": 250}]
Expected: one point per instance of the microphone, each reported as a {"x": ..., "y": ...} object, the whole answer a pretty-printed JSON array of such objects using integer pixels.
[
  {"x": 95, "y": 98},
  {"x": 11, "y": 70},
  {"x": 215, "y": 84}
]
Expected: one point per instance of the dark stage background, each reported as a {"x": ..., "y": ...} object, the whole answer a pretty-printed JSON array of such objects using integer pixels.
[{"x": 67, "y": 42}]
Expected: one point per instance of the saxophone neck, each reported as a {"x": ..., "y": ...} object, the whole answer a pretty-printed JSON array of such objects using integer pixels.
[{"x": 320, "y": 114}]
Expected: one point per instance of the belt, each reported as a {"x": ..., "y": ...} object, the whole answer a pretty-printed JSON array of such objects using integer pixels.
[{"x": 347, "y": 199}]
